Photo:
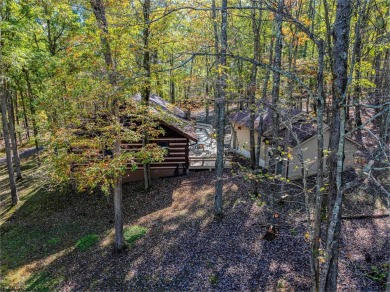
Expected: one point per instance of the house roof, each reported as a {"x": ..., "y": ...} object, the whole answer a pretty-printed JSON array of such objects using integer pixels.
[
  {"x": 158, "y": 102},
  {"x": 303, "y": 125},
  {"x": 242, "y": 117},
  {"x": 304, "y": 130},
  {"x": 170, "y": 116}
]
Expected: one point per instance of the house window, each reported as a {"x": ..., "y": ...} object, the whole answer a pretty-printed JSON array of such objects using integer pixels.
[
  {"x": 279, "y": 167},
  {"x": 275, "y": 161},
  {"x": 239, "y": 127}
]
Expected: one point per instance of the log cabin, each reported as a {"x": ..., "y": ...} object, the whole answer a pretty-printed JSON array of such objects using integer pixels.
[
  {"x": 175, "y": 140},
  {"x": 176, "y": 137}
]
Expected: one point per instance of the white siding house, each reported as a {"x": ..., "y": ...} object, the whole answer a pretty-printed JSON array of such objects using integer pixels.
[{"x": 305, "y": 128}]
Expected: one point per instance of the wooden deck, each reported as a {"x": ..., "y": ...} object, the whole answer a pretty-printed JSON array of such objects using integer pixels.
[
  {"x": 203, "y": 154},
  {"x": 204, "y": 162}
]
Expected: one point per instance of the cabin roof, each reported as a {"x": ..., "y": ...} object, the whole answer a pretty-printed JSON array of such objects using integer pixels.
[
  {"x": 170, "y": 116},
  {"x": 166, "y": 113},
  {"x": 158, "y": 102}
]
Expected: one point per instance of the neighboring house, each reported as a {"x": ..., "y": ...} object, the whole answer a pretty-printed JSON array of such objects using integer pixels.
[
  {"x": 178, "y": 133},
  {"x": 289, "y": 166}
]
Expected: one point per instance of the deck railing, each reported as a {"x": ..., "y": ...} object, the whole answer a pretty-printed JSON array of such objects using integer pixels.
[{"x": 208, "y": 162}]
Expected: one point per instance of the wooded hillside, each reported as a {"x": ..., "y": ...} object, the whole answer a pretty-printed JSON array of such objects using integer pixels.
[{"x": 300, "y": 88}]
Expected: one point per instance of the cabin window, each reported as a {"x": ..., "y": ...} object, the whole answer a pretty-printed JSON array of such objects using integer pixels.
[
  {"x": 239, "y": 127},
  {"x": 165, "y": 146}
]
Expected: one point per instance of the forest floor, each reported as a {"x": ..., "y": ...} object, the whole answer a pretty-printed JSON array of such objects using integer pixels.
[{"x": 60, "y": 240}]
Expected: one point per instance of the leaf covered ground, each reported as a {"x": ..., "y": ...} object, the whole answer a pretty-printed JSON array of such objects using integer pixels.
[{"x": 60, "y": 240}]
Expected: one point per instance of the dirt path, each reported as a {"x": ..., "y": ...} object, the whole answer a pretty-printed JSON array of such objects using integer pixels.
[{"x": 24, "y": 153}]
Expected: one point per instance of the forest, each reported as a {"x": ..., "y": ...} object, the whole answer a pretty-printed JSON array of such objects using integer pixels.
[{"x": 217, "y": 145}]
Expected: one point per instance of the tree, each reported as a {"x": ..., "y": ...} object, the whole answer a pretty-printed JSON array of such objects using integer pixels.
[
  {"x": 357, "y": 54},
  {"x": 6, "y": 134},
  {"x": 100, "y": 15},
  {"x": 146, "y": 89},
  {"x": 256, "y": 26},
  {"x": 220, "y": 115},
  {"x": 12, "y": 132},
  {"x": 336, "y": 143},
  {"x": 277, "y": 63}
]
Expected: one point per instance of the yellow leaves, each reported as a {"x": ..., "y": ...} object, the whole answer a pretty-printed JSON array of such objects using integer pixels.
[
  {"x": 221, "y": 69},
  {"x": 321, "y": 257},
  {"x": 286, "y": 31},
  {"x": 305, "y": 20},
  {"x": 307, "y": 236}
]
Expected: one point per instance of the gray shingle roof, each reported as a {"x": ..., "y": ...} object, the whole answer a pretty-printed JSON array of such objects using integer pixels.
[
  {"x": 170, "y": 115},
  {"x": 242, "y": 117}
]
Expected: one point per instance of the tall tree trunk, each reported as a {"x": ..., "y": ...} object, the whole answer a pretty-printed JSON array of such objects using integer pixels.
[
  {"x": 146, "y": 90},
  {"x": 259, "y": 133},
  {"x": 264, "y": 99},
  {"x": 33, "y": 115},
  {"x": 216, "y": 52},
  {"x": 360, "y": 24},
  {"x": 12, "y": 133},
  {"x": 100, "y": 15},
  {"x": 328, "y": 48},
  {"x": 220, "y": 115},
  {"x": 268, "y": 72},
  {"x": 312, "y": 13},
  {"x": 16, "y": 115},
  {"x": 316, "y": 236},
  {"x": 277, "y": 63},
  {"x": 384, "y": 128},
  {"x": 25, "y": 115},
  {"x": 337, "y": 139},
  {"x": 207, "y": 91},
  {"x": 256, "y": 26},
  {"x": 187, "y": 92},
  {"x": 156, "y": 75},
  {"x": 240, "y": 84},
  {"x": 10, "y": 168},
  {"x": 378, "y": 79},
  {"x": 171, "y": 82}
]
